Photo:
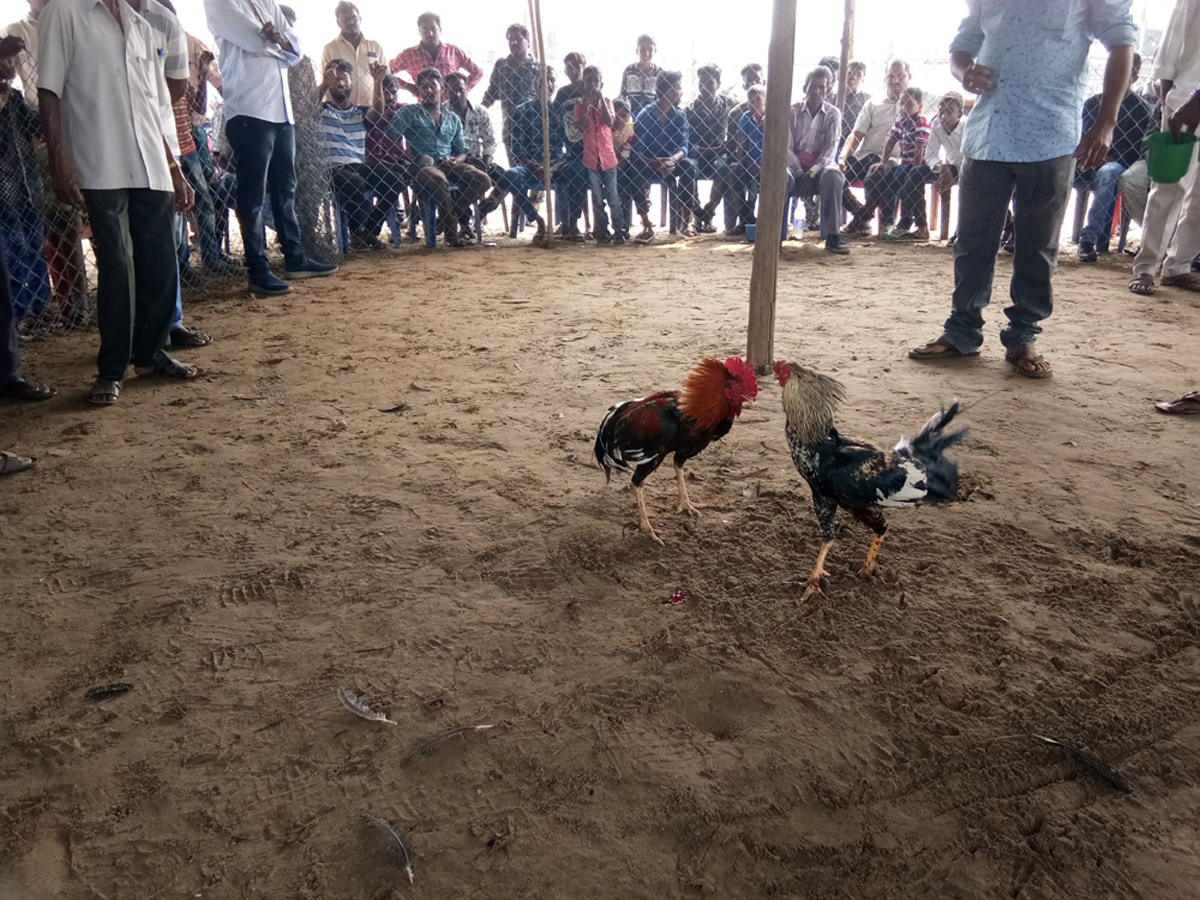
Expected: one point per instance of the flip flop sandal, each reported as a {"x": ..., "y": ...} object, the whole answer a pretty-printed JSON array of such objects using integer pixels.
[
  {"x": 1142, "y": 285},
  {"x": 104, "y": 393},
  {"x": 1188, "y": 404},
  {"x": 1189, "y": 281},
  {"x": 169, "y": 368},
  {"x": 645, "y": 237},
  {"x": 1023, "y": 366},
  {"x": 27, "y": 389},
  {"x": 10, "y": 463},
  {"x": 948, "y": 353},
  {"x": 189, "y": 337}
]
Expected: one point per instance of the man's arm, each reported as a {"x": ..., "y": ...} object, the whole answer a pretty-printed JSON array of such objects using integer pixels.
[
  {"x": 965, "y": 47},
  {"x": 62, "y": 169},
  {"x": 922, "y": 141},
  {"x": 487, "y": 138},
  {"x": 1093, "y": 149},
  {"x": 474, "y": 73},
  {"x": 229, "y": 20},
  {"x": 184, "y": 195},
  {"x": 492, "y": 94},
  {"x": 378, "y": 111},
  {"x": 852, "y": 142}
]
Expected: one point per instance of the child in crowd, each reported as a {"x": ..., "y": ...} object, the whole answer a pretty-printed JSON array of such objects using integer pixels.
[
  {"x": 911, "y": 135},
  {"x": 594, "y": 116},
  {"x": 622, "y": 131}
]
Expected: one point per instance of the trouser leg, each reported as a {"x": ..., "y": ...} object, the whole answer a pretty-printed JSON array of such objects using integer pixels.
[
  {"x": 1040, "y": 198},
  {"x": 25, "y": 258},
  {"x": 1104, "y": 194},
  {"x": 387, "y": 184},
  {"x": 1186, "y": 242},
  {"x": 350, "y": 183},
  {"x": 518, "y": 179},
  {"x": 108, "y": 215},
  {"x": 912, "y": 195},
  {"x": 878, "y": 188},
  {"x": 202, "y": 208},
  {"x": 1133, "y": 187},
  {"x": 10, "y": 348},
  {"x": 433, "y": 182},
  {"x": 252, "y": 142},
  {"x": 595, "y": 185},
  {"x": 831, "y": 185},
  {"x": 471, "y": 184},
  {"x": 281, "y": 179},
  {"x": 180, "y": 242},
  {"x": 983, "y": 199},
  {"x": 155, "y": 274}
]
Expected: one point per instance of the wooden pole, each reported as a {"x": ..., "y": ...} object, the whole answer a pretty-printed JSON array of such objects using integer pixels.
[
  {"x": 847, "y": 53},
  {"x": 760, "y": 342},
  {"x": 535, "y": 15}
]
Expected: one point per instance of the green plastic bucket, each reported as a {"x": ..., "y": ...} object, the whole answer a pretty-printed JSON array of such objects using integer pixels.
[{"x": 1169, "y": 161}]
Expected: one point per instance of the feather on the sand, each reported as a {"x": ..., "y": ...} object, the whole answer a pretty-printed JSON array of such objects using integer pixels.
[
  {"x": 396, "y": 842},
  {"x": 425, "y": 748},
  {"x": 353, "y": 704},
  {"x": 1090, "y": 762}
]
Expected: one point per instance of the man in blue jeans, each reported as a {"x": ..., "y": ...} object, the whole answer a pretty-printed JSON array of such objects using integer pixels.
[
  {"x": 256, "y": 47},
  {"x": 528, "y": 172},
  {"x": 1028, "y": 62},
  {"x": 1135, "y": 120}
]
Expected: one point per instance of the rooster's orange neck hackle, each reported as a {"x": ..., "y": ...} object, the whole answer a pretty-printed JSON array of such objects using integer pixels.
[{"x": 714, "y": 391}]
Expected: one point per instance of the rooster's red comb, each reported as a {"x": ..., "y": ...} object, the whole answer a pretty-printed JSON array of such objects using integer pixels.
[
  {"x": 744, "y": 372},
  {"x": 783, "y": 371}
]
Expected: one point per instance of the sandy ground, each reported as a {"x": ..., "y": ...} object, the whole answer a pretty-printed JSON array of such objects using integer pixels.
[{"x": 239, "y": 548}]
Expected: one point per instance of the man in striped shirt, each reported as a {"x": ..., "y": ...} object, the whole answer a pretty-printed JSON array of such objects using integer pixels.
[
  {"x": 355, "y": 183},
  {"x": 432, "y": 53}
]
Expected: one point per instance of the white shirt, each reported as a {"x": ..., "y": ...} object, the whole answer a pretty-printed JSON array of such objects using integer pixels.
[
  {"x": 253, "y": 70},
  {"x": 949, "y": 143},
  {"x": 172, "y": 49},
  {"x": 876, "y": 121},
  {"x": 1178, "y": 58},
  {"x": 107, "y": 82}
]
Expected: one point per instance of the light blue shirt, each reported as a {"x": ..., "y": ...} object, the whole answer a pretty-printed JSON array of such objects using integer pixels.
[{"x": 1037, "y": 51}]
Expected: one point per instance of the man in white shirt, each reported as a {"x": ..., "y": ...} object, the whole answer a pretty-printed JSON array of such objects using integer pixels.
[
  {"x": 256, "y": 47},
  {"x": 862, "y": 153},
  {"x": 1171, "y": 225},
  {"x": 106, "y": 137},
  {"x": 357, "y": 50}
]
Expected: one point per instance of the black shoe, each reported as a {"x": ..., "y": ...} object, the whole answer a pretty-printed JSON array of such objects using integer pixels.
[
  {"x": 1087, "y": 252},
  {"x": 618, "y": 239}
]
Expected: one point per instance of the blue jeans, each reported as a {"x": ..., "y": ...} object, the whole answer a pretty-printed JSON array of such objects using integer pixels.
[
  {"x": 203, "y": 209},
  {"x": 521, "y": 181},
  {"x": 10, "y": 349},
  {"x": 25, "y": 259},
  {"x": 1103, "y": 182},
  {"x": 265, "y": 154},
  {"x": 604, "y": 187}
]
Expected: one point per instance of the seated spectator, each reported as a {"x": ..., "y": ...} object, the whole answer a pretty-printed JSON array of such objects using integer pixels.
[
  {"x": 661, "y": 139},
  {"x": 1133, "y": 187},
  {"x": 814, "y": 132},
  {"x": 747, "y": 156},
  {"x": 344, "y": 126},
  {"x": 384, "y": 151},
  {"x": 1135, "y": 121},
  {"x": 513, "y": 81},
  {"x": 910, "y": 135},
  {"x": 356, "y": 49},
  {"x": 708, "y": 120},
  {"x": 20, "y": 192},
  {"x": 436, "y": 142},
  {"x": 862, "y": 151},
  {"x": 639, "y": 81},
  {"x": 528, "y": 152},
  {"x": 594, "y": 115},
  {"x": 751, "y": 75},
  {"x": 432, "y": 53},
  {"x": 479, "y": 136},
  {"x": 945, "y": 140}
]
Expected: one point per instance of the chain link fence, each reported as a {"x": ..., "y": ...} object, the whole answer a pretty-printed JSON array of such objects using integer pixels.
[{"x": 641, "y": 146}]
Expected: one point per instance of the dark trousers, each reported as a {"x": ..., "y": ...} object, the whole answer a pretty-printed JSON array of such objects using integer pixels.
[
  {"x": 356, "y": 184},
  {"x": 265, "y": 153},
  {"x": 470, "y": 184},
  {"x": 203, "y": 209},
  {"x": 907, "y": 184},
  {"x": 1039, "y": 192},
  {"x": 10, "y": 352},
  {"x": 681, "y": 184},
  {"x": 856, "y": 170},
  {"x": 133, "y": 236},
  {"x": 828, "y": 184}
]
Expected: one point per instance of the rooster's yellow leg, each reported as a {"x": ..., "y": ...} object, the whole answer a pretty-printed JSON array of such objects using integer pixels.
[
  {"x": 869, "y": 564},
  {"x": 813, "y": 585},
  {"x": 685, "y": 502},
  {"x": 643, "y": 519}
]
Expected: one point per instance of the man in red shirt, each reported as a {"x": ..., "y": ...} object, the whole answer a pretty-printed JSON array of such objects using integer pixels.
[{"x": 431, "y": 53}]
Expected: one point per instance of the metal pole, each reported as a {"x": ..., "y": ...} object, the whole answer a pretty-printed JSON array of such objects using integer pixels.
[{"x": 760, "y": 343}]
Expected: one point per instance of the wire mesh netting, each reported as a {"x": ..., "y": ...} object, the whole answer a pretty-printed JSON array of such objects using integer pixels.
[{"x": 640, "y": 143}]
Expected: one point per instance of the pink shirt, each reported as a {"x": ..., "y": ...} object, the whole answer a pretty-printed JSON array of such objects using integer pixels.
[{"x": 598, "y": 152}]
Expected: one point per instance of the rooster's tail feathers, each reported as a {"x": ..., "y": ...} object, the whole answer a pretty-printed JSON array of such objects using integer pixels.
[
  {"x": 929, "y": 447},
  {"x": 608, "y": 455}
]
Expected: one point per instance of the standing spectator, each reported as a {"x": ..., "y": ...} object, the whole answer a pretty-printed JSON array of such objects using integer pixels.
[
  {"x": 513, "y": 80},
  {"x": 910, "y": 136},
  {"x": 1021, "y": 143},
  {"x": 203, "y": 72},
  {"x": 26, "y": 64},
  {"x": 102, "y": 119},
  {"x": 12, "y": 383},
  {"x": 862, "y": 154},
  {"x": 1135, "y": 121},
  {"x": 355, "y": 182},
  {"x": 708, "y": 121},
  {"x": 435, "y": 139},
  {"x": 855, "y": 99},
  {"x": 255, "y": 56},
  {"x": 356, "y": 49},
  {"x": 432, "y": 53},
  {"x": 20, "y": 191},
  {"x": 735, "y": 200},
  {"x": 661, "y": 140},
  {"x": 814, "y": 131},
  {"x": 594, "y": 114},
  {"x": 574, "y": 180},
  {"x": 747, "y": 158},
  {"x": 639, "y": 81},
  {"x": 1171, "y": 225}
]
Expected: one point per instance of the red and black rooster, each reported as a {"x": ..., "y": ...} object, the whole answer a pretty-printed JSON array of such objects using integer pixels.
[
  {"x": 856, "y": 475},
  {"x": 638, "y": 434}
]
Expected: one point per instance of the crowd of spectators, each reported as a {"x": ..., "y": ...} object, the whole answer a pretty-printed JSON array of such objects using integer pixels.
[{"x": 166, "y": 150}]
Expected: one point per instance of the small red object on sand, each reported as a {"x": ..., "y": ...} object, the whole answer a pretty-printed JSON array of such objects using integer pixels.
[{"x": 676, "y": 597}]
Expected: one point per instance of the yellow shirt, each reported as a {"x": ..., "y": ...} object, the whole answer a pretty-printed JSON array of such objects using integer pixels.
[
  {"x": 623, "y": 141},
  {"x": 362, "y": 91}
]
